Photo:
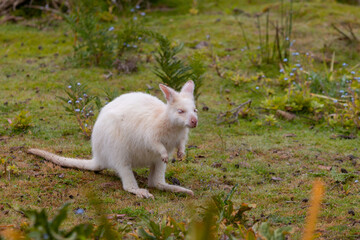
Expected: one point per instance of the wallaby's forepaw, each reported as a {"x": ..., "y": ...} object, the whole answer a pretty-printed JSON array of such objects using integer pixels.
[
  {"x": 180, "y": 154},
  {"x": 165, "y": 159},
  {"x": 142, "y": 193}
]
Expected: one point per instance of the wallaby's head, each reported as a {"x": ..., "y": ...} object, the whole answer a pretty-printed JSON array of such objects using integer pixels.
[{"x": 181, "y": 105}]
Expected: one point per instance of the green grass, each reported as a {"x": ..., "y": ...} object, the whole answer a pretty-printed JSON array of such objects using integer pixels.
[{"x": 250, "y": 155}]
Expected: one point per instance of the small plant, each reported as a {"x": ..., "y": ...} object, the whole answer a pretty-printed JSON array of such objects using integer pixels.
[
  {"x": 43, "y": 228},
  {"x": 218, "y": 219},
  {"x": 94, "y": 43},
  {"x": 81, "y": 105},
  {"x": 97, "y": 44},
  {"x": 270, "y": 120},
  {"x": 172, "y": 70},
  {"x": 21, "y": 122},
  {"x": 198, "y": 70},
  {"x": 111, "y": 94},
  {"x": 133, "y": 32},
  {"x": 9, "y": 169},
  {"x": 279, "y": 50},
  {"x": 265, "y": 232},
  {"x": 168, "y": 228},
  {"x": 226, "y": 211}
]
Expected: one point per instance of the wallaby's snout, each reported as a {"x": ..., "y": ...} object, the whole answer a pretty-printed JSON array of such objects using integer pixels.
[{"x": 193, "y": 122}]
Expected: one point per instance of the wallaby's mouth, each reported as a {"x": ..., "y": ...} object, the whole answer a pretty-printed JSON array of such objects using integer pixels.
[{"x": 191, "y": 125}]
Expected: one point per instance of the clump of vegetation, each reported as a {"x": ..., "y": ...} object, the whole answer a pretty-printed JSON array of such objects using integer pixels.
[
  {"x": 218, "y": 219},
  {"x": 81, "y": 105},
  {"x": 275, "y": 52},
  {"x": 21, "y": 122},
  {"x": 40, "y": 227},
  {"x": 333, "y": 97},
  {"x": 133, "y": 32},
  {"x": 9, "y": 168},
  {"x": 170, "y": 69},
  {"x": 198, "y": 69},
  {"x": 96, "y": 43},
  {"x": 173, "y": 71}
]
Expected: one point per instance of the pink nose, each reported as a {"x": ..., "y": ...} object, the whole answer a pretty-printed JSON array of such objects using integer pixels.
[{"x": 194, "y": 122}]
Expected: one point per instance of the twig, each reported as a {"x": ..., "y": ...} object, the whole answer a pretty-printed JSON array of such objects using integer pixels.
[
  {"x": 21, "y": 212},
  {"x": 341, "y": 32},
  {"x": 45, "y": 9},
  {"x": 326, "y": 97},
  {"x": 352, "y": 32},
  {"x": 222, "y": 117},
  {"x": 237, "y": 109},
  {"x": 214, "y": 61}
]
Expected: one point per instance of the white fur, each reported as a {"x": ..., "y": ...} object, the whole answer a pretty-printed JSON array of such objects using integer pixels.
[{"x": 138, "y": 130}]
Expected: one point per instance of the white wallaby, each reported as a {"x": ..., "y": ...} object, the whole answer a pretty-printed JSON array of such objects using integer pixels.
[{"x": 138, "y": 130}]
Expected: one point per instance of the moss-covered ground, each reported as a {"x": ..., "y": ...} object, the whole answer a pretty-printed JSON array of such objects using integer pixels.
[{"x": 275, "y": 166}]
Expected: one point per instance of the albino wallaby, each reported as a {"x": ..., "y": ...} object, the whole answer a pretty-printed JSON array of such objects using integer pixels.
[{"x": 138, "y": 130}]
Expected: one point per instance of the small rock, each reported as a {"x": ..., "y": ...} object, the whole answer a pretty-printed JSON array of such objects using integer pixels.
[
  {"x": 216, "y": 165},
  {"x": 286, "y": 115},
  {"x": 79, "y": 211},
  {"x": 192, "y": 146},
  {"x": 237, "y": 11},
  {"x": 351, "y": 212},
  {"x": 201, "y": 44},
  {"x": 227, "y": 187},
  {"x": 61, "y": 175},
  {"x": 227, "y": 90},
  {"x": 352, "y": 157},
  {"x": 149, "y": 87},
  {"x": 108, "y": 75},
  {"x": 244, "y": 164},
  {"x": 328, "y": 168},
  {"x": 289, "y": 135},
  {"x": 174, "y": 181},
  {"x": 205, "y": 108},
  {"x": 276, "y": 179}
]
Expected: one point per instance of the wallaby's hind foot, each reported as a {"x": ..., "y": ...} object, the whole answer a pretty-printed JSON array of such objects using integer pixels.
[
  {"x": 140, "y": 192},
  {"x": 173, "y": 188}
]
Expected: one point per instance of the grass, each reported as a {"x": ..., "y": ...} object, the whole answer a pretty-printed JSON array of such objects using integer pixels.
[{"x": 274, "y": 172}]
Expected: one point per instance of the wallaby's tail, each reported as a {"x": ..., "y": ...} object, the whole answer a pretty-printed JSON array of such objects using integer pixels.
[{"x": 66, "y": 162}]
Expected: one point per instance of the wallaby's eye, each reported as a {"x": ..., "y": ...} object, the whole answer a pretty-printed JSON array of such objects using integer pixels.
[
  {"x": 180, "y": 111},
  {"x": 195, "y": 110}
]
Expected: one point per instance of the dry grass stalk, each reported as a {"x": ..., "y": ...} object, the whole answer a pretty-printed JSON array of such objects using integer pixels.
[{"x": 314, "y": 209}]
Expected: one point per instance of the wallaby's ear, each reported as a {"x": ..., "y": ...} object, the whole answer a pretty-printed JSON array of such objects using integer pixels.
[
  {"x": 168, "y": 92},
  {"x": 188, "y": 87}
]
